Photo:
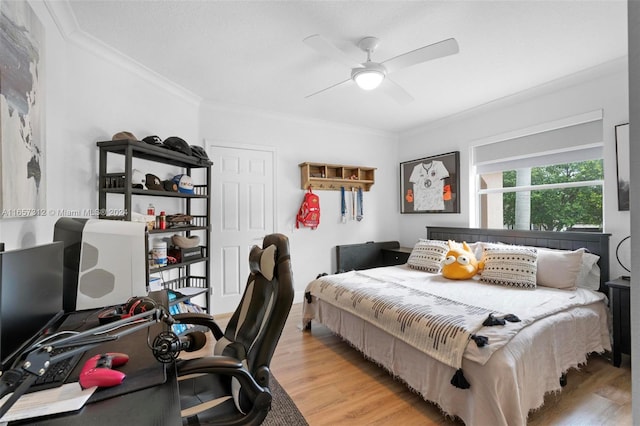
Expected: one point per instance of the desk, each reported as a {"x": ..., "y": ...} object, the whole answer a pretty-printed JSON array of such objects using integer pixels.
[
  {"x": 158, "y": 405},
  {"x": 155, "y": 405}
]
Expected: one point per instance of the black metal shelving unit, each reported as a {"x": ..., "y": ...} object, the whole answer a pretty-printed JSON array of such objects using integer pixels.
[{"x": 120, "y": 184}]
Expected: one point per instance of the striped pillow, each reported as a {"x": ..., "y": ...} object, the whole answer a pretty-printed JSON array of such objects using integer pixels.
[
  {"x": 512, "y": 266},
  {"x": 427, "y": 255}
]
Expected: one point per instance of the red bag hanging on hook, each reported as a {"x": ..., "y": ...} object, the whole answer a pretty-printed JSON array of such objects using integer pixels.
[{"x": 309, "y": 213}]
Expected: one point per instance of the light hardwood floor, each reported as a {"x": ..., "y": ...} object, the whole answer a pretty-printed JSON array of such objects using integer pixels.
[{"x": 332, "y": 384}]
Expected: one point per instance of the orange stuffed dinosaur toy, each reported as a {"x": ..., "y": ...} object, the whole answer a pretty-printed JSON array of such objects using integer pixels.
[{"x": 460, "y": 263}]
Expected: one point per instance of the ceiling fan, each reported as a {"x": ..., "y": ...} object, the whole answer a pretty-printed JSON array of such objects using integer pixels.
[{"x": 370, "y": 75}]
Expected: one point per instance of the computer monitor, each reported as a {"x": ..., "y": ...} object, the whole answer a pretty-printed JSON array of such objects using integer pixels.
[{"x": 31, "y": 289}]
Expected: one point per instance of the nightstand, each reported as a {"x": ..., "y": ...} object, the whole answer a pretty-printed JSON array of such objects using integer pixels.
[
  {"x": 396, "y": 256},
  {"x": 619, "y": 302}
]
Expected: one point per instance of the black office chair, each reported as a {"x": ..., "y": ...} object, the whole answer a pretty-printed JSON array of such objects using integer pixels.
[{"x": 232, "y": 386}]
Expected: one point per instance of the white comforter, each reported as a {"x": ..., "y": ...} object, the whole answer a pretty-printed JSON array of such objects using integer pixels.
[{"x": 508, "y": 379}]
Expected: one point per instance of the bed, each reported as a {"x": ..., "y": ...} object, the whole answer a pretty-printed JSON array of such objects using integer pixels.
[{"x": 437, "y": 336}]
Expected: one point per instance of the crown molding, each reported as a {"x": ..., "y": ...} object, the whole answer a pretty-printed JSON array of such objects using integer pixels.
[
  {"x": 65, "y": 20},
  {"x": 611, "y": 67},
  {"x": 274, "y": 115}
]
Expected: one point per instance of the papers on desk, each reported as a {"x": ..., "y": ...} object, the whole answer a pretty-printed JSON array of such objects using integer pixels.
[{"x": 68, "y": 397}]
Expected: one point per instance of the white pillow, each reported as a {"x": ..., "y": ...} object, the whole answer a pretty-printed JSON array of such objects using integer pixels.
[
  {"x": 479, "y": 246},
  {"x": 512, "y": 266},
  {"x": 559, "y": 268},
  {"x": 589, "y": 276},
  {"x": 427, "y": 255}
]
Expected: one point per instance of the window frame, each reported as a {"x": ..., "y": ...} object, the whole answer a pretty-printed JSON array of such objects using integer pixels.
[
  {"x": 480, "y": 192},
  {"x": 576, "y": 150}
]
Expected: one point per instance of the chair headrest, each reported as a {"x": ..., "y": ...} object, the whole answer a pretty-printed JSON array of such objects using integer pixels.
[{"x": 263, "y": 261}]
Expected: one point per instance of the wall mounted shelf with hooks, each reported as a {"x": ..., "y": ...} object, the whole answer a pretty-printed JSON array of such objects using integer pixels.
[{"x": 331, "y": 177}]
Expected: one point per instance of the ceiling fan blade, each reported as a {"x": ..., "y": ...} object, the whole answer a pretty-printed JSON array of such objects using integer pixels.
[
  {"x": 391, "y": 88},
  {"x": 328, "y": 49},
  {"x": 330, "y": 87},
  {"x": 423, "y": 54}
]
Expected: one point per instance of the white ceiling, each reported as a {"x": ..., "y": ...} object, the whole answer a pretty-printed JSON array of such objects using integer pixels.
[{"x": 250, "y": 53}]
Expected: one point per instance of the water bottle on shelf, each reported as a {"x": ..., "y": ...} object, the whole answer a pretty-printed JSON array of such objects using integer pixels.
[{"x": 162, "y": 223}]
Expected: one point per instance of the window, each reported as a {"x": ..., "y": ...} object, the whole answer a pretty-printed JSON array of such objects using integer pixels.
[
  {"x": 544, "y": 178},
  {"x": 552, "y": 198}
]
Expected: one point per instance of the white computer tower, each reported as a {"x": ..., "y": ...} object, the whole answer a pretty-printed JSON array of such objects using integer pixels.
[{"x": 105, "y": 261}]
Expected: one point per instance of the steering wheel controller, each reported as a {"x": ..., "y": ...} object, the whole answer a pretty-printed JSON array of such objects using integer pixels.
[{"x": 97, "y": 370}]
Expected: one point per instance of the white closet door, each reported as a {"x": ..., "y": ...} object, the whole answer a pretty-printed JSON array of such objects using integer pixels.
[{"x": 242, "y": 214}]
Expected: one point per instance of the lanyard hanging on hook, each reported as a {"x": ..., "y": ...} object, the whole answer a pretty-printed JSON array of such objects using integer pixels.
[
  {"x": 353, "y": 203},
  {"x": 343, "y": 210}
]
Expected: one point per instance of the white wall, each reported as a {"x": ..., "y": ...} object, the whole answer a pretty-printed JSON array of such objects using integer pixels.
[
  {"x": 604, "y": 87},
  {"x": 296, "y": 141},
  {"x": 88, "y": 98}
]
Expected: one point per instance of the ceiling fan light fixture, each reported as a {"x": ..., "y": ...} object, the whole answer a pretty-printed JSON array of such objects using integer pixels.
[{"x": 368, "y": 77}]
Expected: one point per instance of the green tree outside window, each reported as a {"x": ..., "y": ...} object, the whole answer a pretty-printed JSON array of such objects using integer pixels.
[{"x": 559, "y": 209}]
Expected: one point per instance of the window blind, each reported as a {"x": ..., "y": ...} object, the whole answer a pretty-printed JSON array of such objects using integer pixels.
[{"x": 566, "y": 144}]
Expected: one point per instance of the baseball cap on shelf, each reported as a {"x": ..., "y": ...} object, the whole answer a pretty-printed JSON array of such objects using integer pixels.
[
  {"x": 200, "y": 153},
  {"x": 170, "y": 185},
  {"x": 152, "y": 140},
  {"x": 177, "y": 144},
  {"x": 137, "y": 179},
  {"x": 153, "y": 182},
  {"x": 123, "y": 135},
  {"x": 185, "y": 185},
  {"x": 185, "y": 242}
]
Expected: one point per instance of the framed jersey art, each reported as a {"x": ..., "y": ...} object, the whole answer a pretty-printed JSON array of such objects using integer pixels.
[{"x": 431, "y": 184}]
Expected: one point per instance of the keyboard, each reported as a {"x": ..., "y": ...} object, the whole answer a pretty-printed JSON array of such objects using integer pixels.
[{"x": 57, "y": 373}]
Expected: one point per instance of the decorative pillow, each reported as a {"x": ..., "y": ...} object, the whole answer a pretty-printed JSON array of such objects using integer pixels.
[
  {"x": 427, "y": 255},
  {"x": 513, "y": 266},
  {"x": 559, "y": 268},
  {"x": 460, "y": 262},
  {"x": 263, "y": 261}
]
